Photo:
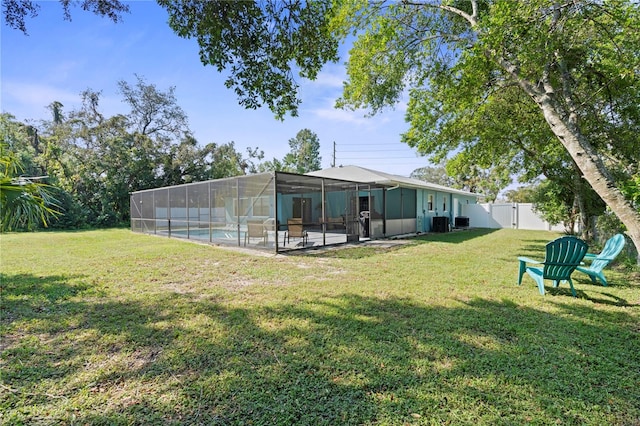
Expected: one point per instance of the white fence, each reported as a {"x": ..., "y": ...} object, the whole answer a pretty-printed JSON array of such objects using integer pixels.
[{"x": 516, "y": 216}]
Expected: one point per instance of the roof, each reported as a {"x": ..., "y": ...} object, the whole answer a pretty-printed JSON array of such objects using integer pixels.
[{"x": 363, "y": 175}]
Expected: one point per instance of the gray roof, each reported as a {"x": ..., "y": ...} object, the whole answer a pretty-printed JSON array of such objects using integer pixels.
[{"x": 363, "y": 175}]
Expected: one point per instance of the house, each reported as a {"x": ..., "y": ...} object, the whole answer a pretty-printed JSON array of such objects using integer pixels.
[
  {"x": 409, "y": 205},
  {"x": 283, "y": 211}
]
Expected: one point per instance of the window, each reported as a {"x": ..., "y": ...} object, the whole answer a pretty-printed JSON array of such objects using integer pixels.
[
  {"x": 430, "y": 203},
  {"x": 261, "y": 206},
  {"x": 258, "y": 206},
  {"x": 244, "y": 207}
]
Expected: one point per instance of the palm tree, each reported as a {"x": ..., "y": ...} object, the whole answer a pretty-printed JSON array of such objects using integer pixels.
[{"x": 24, "y": 202}]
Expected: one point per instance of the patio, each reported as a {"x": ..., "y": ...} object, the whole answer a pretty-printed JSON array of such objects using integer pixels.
[{"x": 260, "y": 211}]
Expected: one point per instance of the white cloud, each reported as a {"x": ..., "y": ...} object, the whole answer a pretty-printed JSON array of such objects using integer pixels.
[
  {"x": 327, "y": 111},
  {"x": 29, "y": 100},
  {"x": 32, "y": 98},
  {"x": 334, "y": 114},
  {"x": 331, "y": 76},
  {"x": 63, "y": 70},
  {"x": 328, "y": 80}
]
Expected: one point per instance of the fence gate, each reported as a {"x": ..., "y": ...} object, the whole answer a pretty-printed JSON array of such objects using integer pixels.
[{"x": 504, "y": 215}]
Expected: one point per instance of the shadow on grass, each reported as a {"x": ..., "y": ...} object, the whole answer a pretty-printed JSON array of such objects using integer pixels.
[
  {"x": 455, "y": 237},
  {"x": 27, "y": 295},
  {"x": 377, "y": 247},
  {"x": 179, "y": 359}
]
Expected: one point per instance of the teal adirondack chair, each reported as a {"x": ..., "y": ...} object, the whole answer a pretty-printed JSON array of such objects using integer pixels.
[
  {"x": 563, "y": 256},
  {"x": 611, "y": 249}
]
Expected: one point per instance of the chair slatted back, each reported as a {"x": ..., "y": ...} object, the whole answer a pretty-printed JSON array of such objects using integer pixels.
[
  {"x": 295, "y": 227},
  {"x": 255, "y": 229},
  {"x": 612, "y": 248},
  {"x": 563, "y": 256}
]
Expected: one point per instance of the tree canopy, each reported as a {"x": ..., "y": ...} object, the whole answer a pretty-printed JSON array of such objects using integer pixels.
[
  {"x": 95, "y": 161},
  {"x": 14, "y": 12},
  {"x": 304, "y": 156},
  {"x": 263, "y": 45}
]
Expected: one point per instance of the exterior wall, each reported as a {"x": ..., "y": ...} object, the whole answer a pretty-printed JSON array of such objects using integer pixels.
[
  {"x": 400, "y": 226},
  {"x": 377, "y": 228},
  {"x": 432, "y": 204},
  {"x": 401, "y": 211}
]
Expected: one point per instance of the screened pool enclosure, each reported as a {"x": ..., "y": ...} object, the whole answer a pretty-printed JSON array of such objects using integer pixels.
[{"x": 271, "y": 211}]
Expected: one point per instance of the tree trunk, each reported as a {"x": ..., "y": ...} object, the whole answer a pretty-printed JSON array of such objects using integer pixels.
[
  {"x": 580, "y": 149},
  {"x": 591, "y": 166},
  {"x": 580, "y": 206}
]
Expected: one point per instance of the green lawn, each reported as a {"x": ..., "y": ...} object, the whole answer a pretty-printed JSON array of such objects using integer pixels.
[{"x": 110, "y": 327}]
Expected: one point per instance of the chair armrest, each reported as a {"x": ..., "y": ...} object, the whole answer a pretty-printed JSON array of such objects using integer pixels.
[
  {"x": 528, "y": 260},
  {"x": 590, "y": 256}
]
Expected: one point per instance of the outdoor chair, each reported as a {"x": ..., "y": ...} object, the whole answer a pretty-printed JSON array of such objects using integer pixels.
[
  {"x": 295, "y": 229},
  {"x": 563, "y": 256},
  {"x": 255, "y": 230},
  {"x": 611, "y": 249},
  {"x": 335, "y": 223}
]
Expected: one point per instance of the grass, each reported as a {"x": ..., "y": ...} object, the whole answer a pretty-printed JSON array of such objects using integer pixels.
[{"x": 109, "y": 327}]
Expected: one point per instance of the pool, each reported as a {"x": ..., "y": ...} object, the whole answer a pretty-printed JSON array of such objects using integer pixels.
[{"x": 226, "y": 235}]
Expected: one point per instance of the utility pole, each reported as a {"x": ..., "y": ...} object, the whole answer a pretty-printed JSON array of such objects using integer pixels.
[{"x": 333, "y": 164}]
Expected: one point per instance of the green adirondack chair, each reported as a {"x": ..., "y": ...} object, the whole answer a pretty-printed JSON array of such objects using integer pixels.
[
  {"x": 563, "y": 256},
  {"x": 611, "y": 249}
]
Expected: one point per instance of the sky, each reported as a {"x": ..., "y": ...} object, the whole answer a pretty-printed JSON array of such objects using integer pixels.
[{"x": 59, "y": 59}]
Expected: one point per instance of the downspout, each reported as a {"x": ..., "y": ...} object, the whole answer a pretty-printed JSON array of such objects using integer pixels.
[
  {"x": 451, "y": 219},
  {"x": 275, "y": 208},
  {"x": 324, "y": 216}
]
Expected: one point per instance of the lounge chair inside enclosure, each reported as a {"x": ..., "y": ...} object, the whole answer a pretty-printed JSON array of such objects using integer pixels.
[
  {"x": 255, "y": 230},
  {"x": 295, "y": 229},
  {"x": 335, "y": 223},
  {"x": 563, "y": 256},
  {"x": 599, "y": 261}
]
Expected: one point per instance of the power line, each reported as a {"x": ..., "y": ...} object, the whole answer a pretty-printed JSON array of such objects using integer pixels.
[
  {"x": 369, "y": 144},
  {"x": 365, "y": 149},
  {"x": 375, "y": 150},
  {"x": 376, "y": 158}
]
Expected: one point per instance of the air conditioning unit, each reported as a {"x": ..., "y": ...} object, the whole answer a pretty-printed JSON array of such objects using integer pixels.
[
  {"x": 440, "y": 224},
  {"x": 461, "y": 222}
]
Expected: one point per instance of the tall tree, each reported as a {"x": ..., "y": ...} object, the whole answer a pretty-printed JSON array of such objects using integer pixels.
[
  {"x": 522, "y": 194},
  {"x": 98, "y": 160},
  {"x": 304, "y": 155},
  {"x": 436, "y": 174},
  {"x": 459, "y": 173},
  {"x": 474, "y": 177},
  {"x": 154, "y": 113},
  {"x": 274, "y": 165}
]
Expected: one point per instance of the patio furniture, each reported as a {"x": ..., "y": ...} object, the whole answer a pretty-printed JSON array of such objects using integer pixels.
[
  {"x": 295, "y": 229},
  {"x": 335, "y": 223},
  {"x": 563, "y": 256},
  {"x": 255, "y": 230},
  {"x": 611, "y": 249}
]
